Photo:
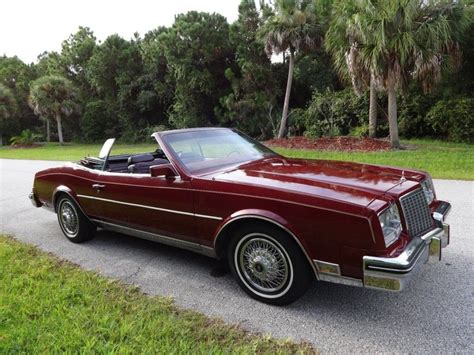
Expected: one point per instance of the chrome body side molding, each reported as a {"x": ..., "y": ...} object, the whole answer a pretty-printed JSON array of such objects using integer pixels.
[
  {"x": 150, "y": 207},
  {"x": 194, "y": 247}
]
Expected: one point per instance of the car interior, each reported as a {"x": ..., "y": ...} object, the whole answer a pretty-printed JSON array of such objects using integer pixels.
[{"x": 127, "y": 163}]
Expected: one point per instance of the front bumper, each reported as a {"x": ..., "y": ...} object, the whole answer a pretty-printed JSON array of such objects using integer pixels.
[{"x": 393, "y": 274}]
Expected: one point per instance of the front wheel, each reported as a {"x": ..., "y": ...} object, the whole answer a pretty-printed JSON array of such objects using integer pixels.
[
  {"x": 74, "y": 224},
  {"x": 269, "y": 265}
]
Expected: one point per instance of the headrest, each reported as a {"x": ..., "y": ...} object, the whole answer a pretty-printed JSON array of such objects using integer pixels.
[{"x": 140, "y": 158}]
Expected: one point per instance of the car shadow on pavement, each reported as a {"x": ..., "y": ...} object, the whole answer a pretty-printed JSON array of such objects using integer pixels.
[{"x": 137, "y": 249}]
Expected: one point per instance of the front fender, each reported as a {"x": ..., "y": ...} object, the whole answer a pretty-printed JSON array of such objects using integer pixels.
[
  {"x": 261, "y": 213},
  {"x": 264, "y": 215}
]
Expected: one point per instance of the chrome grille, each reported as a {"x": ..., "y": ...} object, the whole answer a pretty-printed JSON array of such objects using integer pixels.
[{"x": 416, "y": 212}]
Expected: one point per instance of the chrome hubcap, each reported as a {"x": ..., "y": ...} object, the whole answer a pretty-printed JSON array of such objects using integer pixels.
[
  {"x": 69, "y": 218},
  {"x": 263, "y": 264}
]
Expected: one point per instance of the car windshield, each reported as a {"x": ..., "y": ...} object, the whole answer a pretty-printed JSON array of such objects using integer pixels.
[{"x": 206, "y": 150}]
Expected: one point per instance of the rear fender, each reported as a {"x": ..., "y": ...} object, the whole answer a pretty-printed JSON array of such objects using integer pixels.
[{"x": 68, "y": 191}]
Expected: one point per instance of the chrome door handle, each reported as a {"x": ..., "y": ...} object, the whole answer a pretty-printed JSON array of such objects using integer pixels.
[{"x": 98, "y": 186}]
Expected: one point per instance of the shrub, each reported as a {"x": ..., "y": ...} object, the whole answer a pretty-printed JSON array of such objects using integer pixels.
[
  {"x": 297, "y": 122},
  {"x": 412, "y": 111},
  {"x": 453, "y": 119},
  {"x": 26, "y": 137},
  {"x": 332, "y": 113},
  {"x": 360, "y": 131}
]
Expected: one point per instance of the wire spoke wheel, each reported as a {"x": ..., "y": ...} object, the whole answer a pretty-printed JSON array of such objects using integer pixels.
[{"x": 264, "y": 263}]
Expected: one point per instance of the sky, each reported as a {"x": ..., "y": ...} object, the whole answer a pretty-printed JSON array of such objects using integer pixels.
[{"x": 30, "y": 27}]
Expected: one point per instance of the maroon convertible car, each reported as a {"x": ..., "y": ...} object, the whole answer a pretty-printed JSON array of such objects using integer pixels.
[{"x": 279, "y": 222}]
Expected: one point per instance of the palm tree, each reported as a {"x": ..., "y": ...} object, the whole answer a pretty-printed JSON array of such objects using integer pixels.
[
  {"x": 47, "y": 124},
  {"x": 293, "y": 27},
  {"x": 53, "y": 96},
  {"x": 8, "y": 108},
  {"x": 341, "y": 42},
  {"x": 391, "y": 42},
  {"x": 372, "y": 108}
]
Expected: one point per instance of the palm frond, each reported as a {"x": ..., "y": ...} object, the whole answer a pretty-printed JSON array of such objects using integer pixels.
[
  {"x": 395, "y": 41},
  {"x": 293, "y": 26}
]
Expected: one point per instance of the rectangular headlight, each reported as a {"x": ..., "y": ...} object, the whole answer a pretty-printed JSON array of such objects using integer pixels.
[
  {"x": 428, "y": 189},
  {"x": 391, "y": 224}
]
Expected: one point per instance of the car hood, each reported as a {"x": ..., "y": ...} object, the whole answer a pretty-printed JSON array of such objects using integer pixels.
[{"x": 350, "y": 182}]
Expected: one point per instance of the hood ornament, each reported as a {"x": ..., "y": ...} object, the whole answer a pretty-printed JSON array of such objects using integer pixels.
[{"x": 403, "y": 178}]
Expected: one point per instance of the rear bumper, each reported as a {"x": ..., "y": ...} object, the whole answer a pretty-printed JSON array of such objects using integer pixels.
[
  {"x": 34, "y": 201},
  {"x": 393, "y": 274}
]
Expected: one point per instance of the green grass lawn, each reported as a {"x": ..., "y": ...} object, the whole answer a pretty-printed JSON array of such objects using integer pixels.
[
  {"x": 443, "y": 160},
  {"x": 69, "y": 151},
  {"x": 48, "y": 305}
]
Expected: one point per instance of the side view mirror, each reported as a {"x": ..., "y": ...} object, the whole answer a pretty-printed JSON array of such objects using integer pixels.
[{"x": 163, "y": 170}]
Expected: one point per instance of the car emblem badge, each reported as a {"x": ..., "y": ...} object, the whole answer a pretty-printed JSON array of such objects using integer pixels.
[{"x": 403, "y": 178}]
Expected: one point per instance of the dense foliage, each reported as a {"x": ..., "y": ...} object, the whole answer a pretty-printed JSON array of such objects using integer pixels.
[
  {"x": 204, "y": 71},
  {"x": 393, "y": 43},
  {"x": 253, "y": 82},
  {"x": 198, "y": 52},
  {"x": 453, "y": 119},
  {"x": 334, "y": 113},
  {"x": 8, "y": 108}
]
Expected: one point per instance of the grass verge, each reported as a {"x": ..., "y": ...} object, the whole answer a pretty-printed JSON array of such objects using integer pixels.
[
  {"x": 442, "y": 159},
  {"x": 69, "y": 151},
  {"x": 48, "y": 305}
]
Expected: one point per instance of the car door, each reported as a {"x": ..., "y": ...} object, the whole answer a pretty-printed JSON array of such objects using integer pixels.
[{"x": 139, "y": 201}]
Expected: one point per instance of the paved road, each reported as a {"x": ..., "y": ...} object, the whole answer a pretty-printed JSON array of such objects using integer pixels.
[{"x": 435, "y": 315}]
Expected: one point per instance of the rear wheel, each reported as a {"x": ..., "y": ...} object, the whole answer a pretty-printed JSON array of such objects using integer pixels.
[
  {"x": 74, "y": 224},
  {"x": 269, "y": 265}
]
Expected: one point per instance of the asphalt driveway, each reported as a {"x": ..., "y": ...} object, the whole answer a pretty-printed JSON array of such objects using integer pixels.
[{"x": 435, "y": 315}]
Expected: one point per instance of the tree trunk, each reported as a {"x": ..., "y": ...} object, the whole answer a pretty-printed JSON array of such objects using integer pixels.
[
  {"x": 392, "y": 118},
  {"x": 284, "y": 116},
  {"x": 1, "y": 140},
  {"x": 60, "y": 128},
  {"x": 48, "y": 131},
  {"x": 372, "y": 110}
]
